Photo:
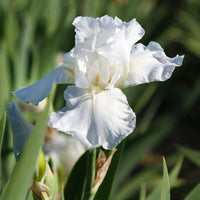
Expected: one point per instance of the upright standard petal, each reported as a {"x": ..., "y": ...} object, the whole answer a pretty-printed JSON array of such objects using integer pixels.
[
  {"x": 99, "y": 33},
  {"x": 91, "y": 33},
  {"x": 95, "y": 117},
  {"x": 109, "y": 38},
  {"x": 126, "y": 34},
  {"x": 39, "y": 90},
  {"x": 149, "y": 64},
  {"x": 20, "y": 127}
]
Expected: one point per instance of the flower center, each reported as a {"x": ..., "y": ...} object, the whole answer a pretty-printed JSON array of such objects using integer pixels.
[{"x": 97, "y": 79}]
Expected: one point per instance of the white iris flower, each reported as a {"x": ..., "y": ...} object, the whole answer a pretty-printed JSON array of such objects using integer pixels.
[{"x": 105, "y": 59}]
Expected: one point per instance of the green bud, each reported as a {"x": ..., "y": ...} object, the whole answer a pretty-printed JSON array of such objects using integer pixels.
[
  {"x": 40, "y": 191},
  {"x": 50, "y": 181},
  {"x": 40, "y": 167},
  {"x": 101, "y": 168},
  {"x": 46, "y": 188}
]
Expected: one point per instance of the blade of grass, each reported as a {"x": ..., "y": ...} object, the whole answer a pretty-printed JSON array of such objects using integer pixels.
[
  {"x": 191, "y": 154},
  {"x": 155, "y": 194},
  {"x": 143, "y": 192},
  {"x": 2, "y": 128},
  {"x": 133, "y": 153},
  {"x": 21, "y": 56},
  {"x": 130, "y": 188},
  {"x": 138, "y": 147},
  {"x": 19, "y": 182},
  {"x": 148, "y": 115},
  {"x": 194, "y": 194},
  {"x": 146, "y": 96},
  {"x": 165, "y": 194},
  {"x": 4, "y": 78}
]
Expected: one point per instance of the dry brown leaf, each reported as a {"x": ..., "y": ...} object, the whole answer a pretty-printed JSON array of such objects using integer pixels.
[{"x": 102, "y": 165}]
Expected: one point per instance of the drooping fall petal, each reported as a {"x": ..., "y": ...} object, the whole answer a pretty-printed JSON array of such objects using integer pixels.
[
  {"x": 95, "y": 118},
  {"x": 40, "y": 90},
  {"x": 20, "y": 127}
]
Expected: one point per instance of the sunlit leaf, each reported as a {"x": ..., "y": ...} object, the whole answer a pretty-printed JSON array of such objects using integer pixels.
[
  {"x": 2, "y": 128},
  {"x": 4, "y": 78},
  {"x": 165, "y": 194},
  {"x": 155, "y": 194},
  {"x": 20, "y": 180},
  {"x": 143, "y": 192}
]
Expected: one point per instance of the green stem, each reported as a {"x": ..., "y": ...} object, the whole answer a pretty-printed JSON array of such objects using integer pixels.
[{"x": 90, "y": 175}]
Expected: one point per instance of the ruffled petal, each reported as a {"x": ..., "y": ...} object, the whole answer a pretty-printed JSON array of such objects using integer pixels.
[
  {"x": 99, "y": 33},
  {"x": 126, "y": 34},
  {"x": 21, "y": 128},
  {"x": 92, "y": 33},
  {"x": 148, "y": 64},
  {"x": 95, "y": 118},
  {"x": 110, "y": 38},
  {"x": 39, "y": 90}
]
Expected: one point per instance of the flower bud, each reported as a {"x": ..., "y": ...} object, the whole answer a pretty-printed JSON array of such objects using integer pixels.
[
  {"x": 50, "y": 181},
  {"x": 101, "y": 168},
  {"x": 45, "y": 188},
  {"x": 40, "y": 167}
]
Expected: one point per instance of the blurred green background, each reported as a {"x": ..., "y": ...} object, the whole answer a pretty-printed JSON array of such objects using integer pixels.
[{"x": 35, "y": 34}]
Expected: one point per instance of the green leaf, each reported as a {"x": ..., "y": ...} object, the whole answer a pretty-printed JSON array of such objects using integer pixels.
[
  {"x": 90, "y": 175},
  {"x": 146, "y": 96},
  {"x": 74, "y": 188},
  {"x": 191, "y": 154},
  {"x": 141, "y": 145},
  {"x": 40, "y": 167},
  {"x": 143, "y": 192},
  {"x": 4, "y": 78},
  {"x": 19, "y": 182},
  {"x": 155, "y": 194},
  {"x": 165, "y": 194},
  {"x": 62, "y": 197},
  {"x": 194, "y": 194},
  {"x": 2, "y": 128},
  {"x": 106, "y": 187},
  {"x": 175, "y": 171},
  {"x": 130, "y": 188},
  {"x": 21, "y": 55},
  {"x": 29, "y": 196}
]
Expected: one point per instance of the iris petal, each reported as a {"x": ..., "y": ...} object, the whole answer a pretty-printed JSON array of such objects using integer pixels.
[
  {"x": 95, "y": 118},
  {"x": 39, "y": 90},
  {"x": 92, "y": 33},
  {"x": 20, "y": 127},
  {"x": 150, "y": 64}
]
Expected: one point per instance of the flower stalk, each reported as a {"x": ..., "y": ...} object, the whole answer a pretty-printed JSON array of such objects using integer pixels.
[{"x": 90, "y": 175}]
